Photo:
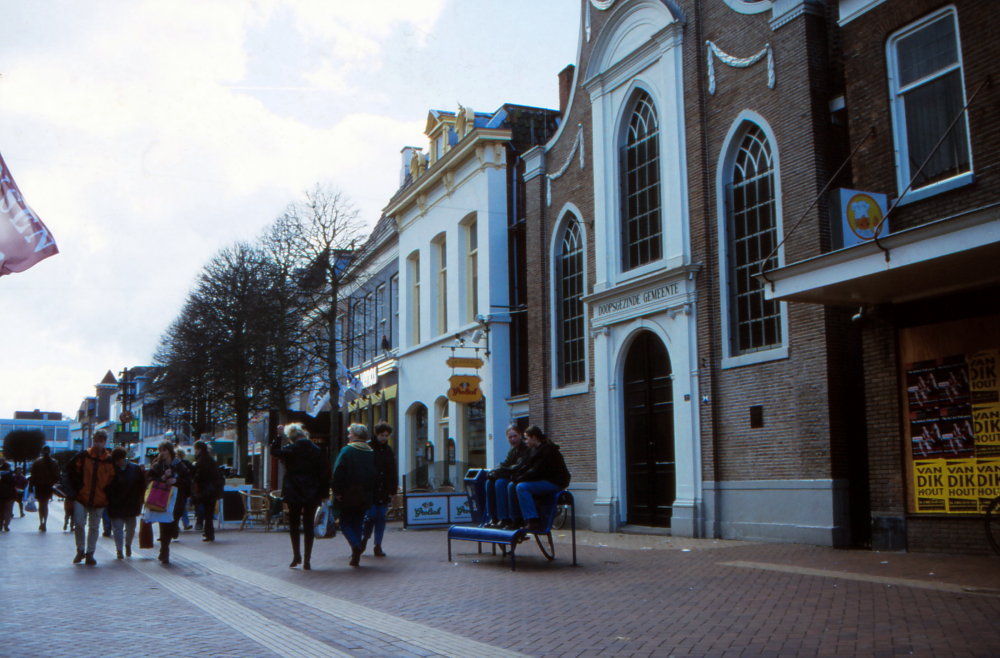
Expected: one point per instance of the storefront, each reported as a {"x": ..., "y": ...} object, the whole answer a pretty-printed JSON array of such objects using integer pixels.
[{"x": 377, "y": 402}]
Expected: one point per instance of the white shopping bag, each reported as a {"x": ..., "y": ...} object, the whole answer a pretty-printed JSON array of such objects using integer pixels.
[{"x": 166, "y": 516}]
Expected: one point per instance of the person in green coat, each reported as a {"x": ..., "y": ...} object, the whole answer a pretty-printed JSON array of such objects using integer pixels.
[{"x": 354, "y": 487}]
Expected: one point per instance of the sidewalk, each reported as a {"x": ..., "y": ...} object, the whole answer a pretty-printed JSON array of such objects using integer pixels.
[{"x": 632, "y": 595}]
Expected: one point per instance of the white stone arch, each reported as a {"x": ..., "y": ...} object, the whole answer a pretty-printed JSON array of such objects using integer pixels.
[
  {"x": 567, "y": 213},
  {"x": 631, "y": 24},
  {"x": 723, "y": 175},
  {"x": 411, "y": 431}
]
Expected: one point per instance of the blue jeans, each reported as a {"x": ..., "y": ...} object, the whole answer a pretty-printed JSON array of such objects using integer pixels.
[
  {"x": 375, "y": 519},
  {"x": 525, "y": 491},
  {"x": 123, "y": 531},
  {"x": 496, "y": 499},
  {"x": 352, "y": 526}
]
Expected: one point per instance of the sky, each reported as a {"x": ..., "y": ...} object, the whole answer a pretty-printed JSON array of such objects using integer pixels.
[{"x": 148, "y": 135}]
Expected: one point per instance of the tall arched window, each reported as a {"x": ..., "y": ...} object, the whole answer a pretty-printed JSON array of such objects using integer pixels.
[
  {"x": 755, "y": 322},
  {"x": 642, "y": 234},
  {"x": 569, "y": 288}
]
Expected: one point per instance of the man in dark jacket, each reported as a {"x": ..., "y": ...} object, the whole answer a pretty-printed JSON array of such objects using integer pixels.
[
  {"x": 386, "y": 481},
  {"x": 207, "y": 488},
  {"x": 499, "y": 478},
  {"x": 125, "y": 503},
  {"x": 8, "y": 492},
  {"x": 542, "y": 471},
  {"x": 91, "y": 473}
]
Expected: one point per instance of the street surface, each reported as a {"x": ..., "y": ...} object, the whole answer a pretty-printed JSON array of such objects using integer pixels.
[{"x": 632, "y": 595}]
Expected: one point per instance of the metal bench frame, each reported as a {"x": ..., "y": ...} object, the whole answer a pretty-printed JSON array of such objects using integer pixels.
[{"x": 508, "y": 540}]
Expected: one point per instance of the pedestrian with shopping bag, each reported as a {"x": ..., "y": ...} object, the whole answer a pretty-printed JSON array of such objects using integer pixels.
[
  {"x": 354, "y": 487},
  {"x": 127, "y": 494},
  {"x": 89, "y": 474},
  {"x": 166, "y": 496},
  {"x": 304, "y": 486},
  {"x": 44, "y": 476}
]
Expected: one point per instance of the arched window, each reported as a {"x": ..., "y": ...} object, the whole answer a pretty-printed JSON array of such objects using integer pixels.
[
  {"x": 569, "y": 288},
  {"x": 751, "y": 233},
  {"x": 642, "y": 234}
]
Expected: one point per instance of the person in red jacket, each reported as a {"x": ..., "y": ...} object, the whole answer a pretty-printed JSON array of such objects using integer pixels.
[{"x": 91, "y": 472}]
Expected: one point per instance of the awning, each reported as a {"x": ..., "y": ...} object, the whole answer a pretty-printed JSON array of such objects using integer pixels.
[
  {"x": 945, "y": 256},
  {"x": 222, "y": 447}
]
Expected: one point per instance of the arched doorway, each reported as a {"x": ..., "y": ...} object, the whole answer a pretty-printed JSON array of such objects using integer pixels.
[{"x": 650, "y": 471}]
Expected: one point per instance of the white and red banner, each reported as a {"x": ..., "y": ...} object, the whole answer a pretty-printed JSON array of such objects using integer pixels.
[{"x": 24, "y": 239}]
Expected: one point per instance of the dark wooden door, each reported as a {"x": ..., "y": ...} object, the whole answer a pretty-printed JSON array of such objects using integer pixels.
[{"x": 650, "y": 470}]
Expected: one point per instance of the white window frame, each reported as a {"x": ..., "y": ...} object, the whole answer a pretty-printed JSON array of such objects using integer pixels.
[
  {"x": 413, "y": 262},
  {"x": 896, "y": 104},
  {"x": 566, "y": 214},
  {"x": 471, "y": 271},
  {"x": 723, "y": 176},
  {"x": 440, "y": 292}
]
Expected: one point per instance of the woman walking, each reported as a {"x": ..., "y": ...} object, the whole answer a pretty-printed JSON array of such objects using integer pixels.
[
  {"x": 171, "y": 470},
  {"x": 44, "y": 476},
  {"x": 127, "y": 493},
  {"x": 208, "y": 484},
  {"x": 304, "y": 486},
  {"x": 354, "y": 487}
]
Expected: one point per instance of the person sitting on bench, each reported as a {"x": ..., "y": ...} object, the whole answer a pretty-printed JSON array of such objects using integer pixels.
[
  {"x": 499, "y": 478},
  {"x": 542, "y": 471}
]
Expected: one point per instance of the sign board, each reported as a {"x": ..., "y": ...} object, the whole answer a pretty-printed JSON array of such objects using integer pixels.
[
  {"x": 122, "y": 438},
  {"x": 458, "y": 508},
  {"x": 369, "y": 377},
  {"x": 427, "y": 510},
  {"x": 854, "y": 217},
  {"x": 464, "y": 388},
  {"x": 464, "y": 362},
  {"x": 152, "y": 452}
]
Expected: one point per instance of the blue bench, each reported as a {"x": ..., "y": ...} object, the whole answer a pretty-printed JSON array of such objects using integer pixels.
[{"x": 508, "y": 540}]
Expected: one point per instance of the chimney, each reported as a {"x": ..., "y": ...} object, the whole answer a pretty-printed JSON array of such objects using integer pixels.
[
  {"x": 407, "y": 153},
  {"x": 565, "y": 87}
]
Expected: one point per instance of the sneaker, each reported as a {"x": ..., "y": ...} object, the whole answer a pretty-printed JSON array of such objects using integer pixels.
[
  {"x": 187, "y": 527},
  {"x": 79, "y": 557},
  {"x": 377, "y": 551},
  {"x": 90, "y": 561}
]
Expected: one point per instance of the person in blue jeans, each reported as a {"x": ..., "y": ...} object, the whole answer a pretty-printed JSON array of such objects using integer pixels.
[
  {"x": 354, "y": 487},
  {"x": 499, "y": 478},
  {"x": 541, "y": 472},
  {"x": 386, "y": 481}
]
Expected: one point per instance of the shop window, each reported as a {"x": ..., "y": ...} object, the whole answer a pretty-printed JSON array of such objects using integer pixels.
[
  {"x": 443, "y": 423},
  {"x": 751, "y": 233},
  {"x": 569, "y": 293},
  {"x": 927, "y": 92},
  {"x": 642, "y": 234}
]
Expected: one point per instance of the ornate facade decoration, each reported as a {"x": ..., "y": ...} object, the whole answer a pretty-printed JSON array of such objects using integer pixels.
[
  {"x": 738, "y": 62},
  {"x": 577, "y": 144}
]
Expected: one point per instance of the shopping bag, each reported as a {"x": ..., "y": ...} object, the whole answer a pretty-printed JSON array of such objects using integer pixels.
[
  {"x": 324, "y": 526},
  {"x": 145, "y": 535},
  {"x": 165, "y": 516},
  {"x": 29, "y": 501},
  {"x": 158, "y": 496}
]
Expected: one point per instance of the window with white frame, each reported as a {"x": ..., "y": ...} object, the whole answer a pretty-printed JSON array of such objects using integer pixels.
[
  {"x": 381, "y": 324},
  {"x": 393, "y": 331},
  {"x": 371, "y": 320},
  {"x": 441, "y": 285},
  {"x": 570, "y": 290},
  {"x": 415, "y": 299},
  {"x": 642, "y": 233},
  {"x": 927, "y": 93},
  {"x": 358, "y": 332},
  {"x": 751, "y": 233},
  {"x": 472, "y": 272}
]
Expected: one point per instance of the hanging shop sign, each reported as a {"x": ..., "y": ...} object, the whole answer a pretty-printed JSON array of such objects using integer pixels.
[
  {"x": 464, "y": 362},
  {"x": 954, "y": 414},
  {"x": 369, "y": 377},
  {"x": 465, "y": 388}
]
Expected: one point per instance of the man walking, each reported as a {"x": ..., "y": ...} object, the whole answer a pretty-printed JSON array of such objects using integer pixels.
[
  {"x": 91, "y": 472},
  {"x": 8, "y": 493},
  {"x": 386, "y": 482}
]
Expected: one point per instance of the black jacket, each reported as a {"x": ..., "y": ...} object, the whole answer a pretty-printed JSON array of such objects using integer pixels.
[
  {"x": 207, "y": 476},
  {"x": 7, "y": 488},
  {"x": 505, "y": 469},
  {"x": 180, "y": 473},
  {"x": 305, "y": 472},
  {"x": 543, "y": 463},
  {"x": 386, "y": 480},
  {"x": 128, "y": 492}
]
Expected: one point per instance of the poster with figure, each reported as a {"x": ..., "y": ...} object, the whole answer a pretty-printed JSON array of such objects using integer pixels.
[{"x": 938, "y": 393}]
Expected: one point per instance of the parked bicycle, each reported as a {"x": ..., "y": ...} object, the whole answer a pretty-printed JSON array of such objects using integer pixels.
[{"x": 993, "y": 524}]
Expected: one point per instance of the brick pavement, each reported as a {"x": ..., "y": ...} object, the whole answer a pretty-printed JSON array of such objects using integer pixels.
[{"x": 676, "y": 597}]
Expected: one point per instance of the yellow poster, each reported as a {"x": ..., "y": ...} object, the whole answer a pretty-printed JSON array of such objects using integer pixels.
[
  {"x": 987, "y": 481},
  {"x": 985, "y": 384},
  {"x": 931, "y": 491},
  {"x": 960, "y": 480}
]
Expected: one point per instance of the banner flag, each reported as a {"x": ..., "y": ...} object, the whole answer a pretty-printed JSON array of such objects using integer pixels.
[{"x": 24, "y": 239}]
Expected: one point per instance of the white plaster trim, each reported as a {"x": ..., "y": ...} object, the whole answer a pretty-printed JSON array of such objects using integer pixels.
[
  {"x": 739, "y": 62},
  {"x": 752, "y": 358},
  {"x": 851, "y": 9},
  {"x": 946, "y": 185},
  {"x": 575, "y": 389},
  {"x": 748, "y": 7},
  {"x": 602, "y": 4},
  {"x": 578, "y": 143}
]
